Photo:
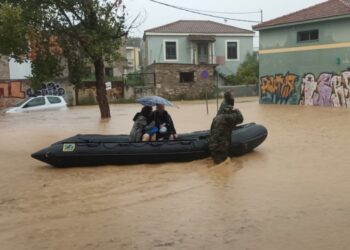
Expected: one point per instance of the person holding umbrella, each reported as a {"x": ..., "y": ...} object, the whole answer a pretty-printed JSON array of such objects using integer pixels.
[{"x": 163, "y": 121}]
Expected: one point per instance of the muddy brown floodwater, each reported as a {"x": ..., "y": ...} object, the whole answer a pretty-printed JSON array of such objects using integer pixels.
[{"x": 291, "y": 193}]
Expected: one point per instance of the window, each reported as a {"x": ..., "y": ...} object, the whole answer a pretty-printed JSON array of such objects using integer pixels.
[
  {"x": 186, "y": 77},
  {"x": 53, "y": 100},
  {"x": 109, "y": 72},
  {"x": 232, "y": 50},
  {"x": 38, "y": 101},
  {"x": 310, "y": 35},
  {"x": 170, "y": 50}
]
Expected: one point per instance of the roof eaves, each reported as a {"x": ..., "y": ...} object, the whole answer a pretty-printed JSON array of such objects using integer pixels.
[
  {"x": 289, "y": 14},
  {"x": 161, "y": 26},
  {"x": 265, "y": 27},
  {"x": 192, "y": 33}
]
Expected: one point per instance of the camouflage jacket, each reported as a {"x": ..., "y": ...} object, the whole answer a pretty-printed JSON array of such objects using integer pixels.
[
  {"x": 221, "y": 129},
  {"x": 228, "y": 102}
]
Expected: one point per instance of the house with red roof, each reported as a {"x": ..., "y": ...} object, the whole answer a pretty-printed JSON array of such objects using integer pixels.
[
  {"x": 186, "y": 54},
  {"x": 305, "y": 56}
]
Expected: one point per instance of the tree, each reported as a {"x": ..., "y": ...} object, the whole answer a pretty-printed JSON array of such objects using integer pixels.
[
  {"x": 96, "y": 27},
  {"x": 134, "y": 42},
  {"x": 248, "y": 71},
  {"x": 99, "y": 28},
  {"x": 46, "y": 57},
  {"x": 13, "y": 40},
  {"x": 77, "y": 61}
]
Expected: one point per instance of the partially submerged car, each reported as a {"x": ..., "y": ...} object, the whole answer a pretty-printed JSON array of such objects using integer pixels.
[{"x": 39, "y": 103}]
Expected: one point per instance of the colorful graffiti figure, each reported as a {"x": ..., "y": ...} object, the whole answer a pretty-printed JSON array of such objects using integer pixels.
[
  {"x": 46, "y": 89},
  {"x": 11, "y": 89},
  {"x": 278, "y": 89},
  {"x": 346, "y": 87},
  {"x": 327, "y": 90},
  {"x": 324, "y": 91},
  {"x": 308, "y": 87},
  {"x": 338, "y": 92}
]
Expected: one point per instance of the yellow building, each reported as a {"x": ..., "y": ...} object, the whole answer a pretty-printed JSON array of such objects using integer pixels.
[{"x": 133, "y": 57}]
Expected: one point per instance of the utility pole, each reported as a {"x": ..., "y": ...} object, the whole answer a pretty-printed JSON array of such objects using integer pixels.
[{"x": 261, "y": 15}]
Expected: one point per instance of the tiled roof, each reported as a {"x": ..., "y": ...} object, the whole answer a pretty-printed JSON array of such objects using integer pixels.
[
  {"x": 198, "y": 26},
  {"x": 330, "y": 8}
]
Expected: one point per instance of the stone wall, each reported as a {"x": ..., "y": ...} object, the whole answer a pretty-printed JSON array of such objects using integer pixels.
[
  {"x": 87, "y": 93},
  {"x": 168, "y": 82}
]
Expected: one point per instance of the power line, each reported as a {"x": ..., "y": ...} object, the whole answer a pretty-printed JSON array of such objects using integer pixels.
[
  {"x": 223, "y": 12},
  {"x": 203, "y": 14}
]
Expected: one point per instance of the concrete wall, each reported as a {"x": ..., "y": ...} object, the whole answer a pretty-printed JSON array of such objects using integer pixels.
[
  {"x": 20, "y": 70},
  {"x": 156, "y": 49},
  {"x": 334, "y": 31},
  {"x": 242, "y": 90},
  {"x": 307, "y": 73},
  {"x": 245, "y": 46}
]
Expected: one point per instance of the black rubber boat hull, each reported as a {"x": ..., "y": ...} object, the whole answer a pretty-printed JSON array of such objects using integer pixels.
[{"x": 96, "y": 150}]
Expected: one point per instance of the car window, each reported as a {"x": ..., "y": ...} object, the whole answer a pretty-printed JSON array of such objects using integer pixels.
[
  {"x": 21, "y": 103},
  {"x": 38, "y": 101},
  {"x": 53, "y": 99}
]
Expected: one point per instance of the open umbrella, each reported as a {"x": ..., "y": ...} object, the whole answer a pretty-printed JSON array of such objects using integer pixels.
[{"x": 154, "y": 100}]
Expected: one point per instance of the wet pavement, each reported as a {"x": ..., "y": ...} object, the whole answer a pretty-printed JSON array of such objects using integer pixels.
[{"x": 291, "y": 193}]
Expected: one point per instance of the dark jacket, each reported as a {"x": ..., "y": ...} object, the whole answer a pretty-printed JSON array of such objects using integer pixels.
[
  {"x": 141, "y": 125},
  {"x": 164, "y": 118}
]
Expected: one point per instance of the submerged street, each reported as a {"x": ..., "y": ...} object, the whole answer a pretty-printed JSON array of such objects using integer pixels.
[{"x": 290, "y": 193}]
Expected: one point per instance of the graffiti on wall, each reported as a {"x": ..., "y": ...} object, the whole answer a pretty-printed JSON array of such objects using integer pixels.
[
  {"x": 279, "y": 89},
  {"x": 328, "y": 90},
  {"x": 50, "y": 88},
  {"x": 15, "y": 89},
  {"x": 12, "y": 89}
]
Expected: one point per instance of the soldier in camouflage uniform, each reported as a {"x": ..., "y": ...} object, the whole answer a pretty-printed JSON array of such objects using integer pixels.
[
  {"x": 228, "y": 101},
  {"x": 221, "y": 130}
]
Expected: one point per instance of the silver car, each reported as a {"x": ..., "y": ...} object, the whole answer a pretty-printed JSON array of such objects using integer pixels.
[{"x": 39, "y": 103}]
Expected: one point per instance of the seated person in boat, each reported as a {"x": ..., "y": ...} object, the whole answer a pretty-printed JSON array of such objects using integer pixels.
[
  {"x": 143, "y": 122},
  {"x": 221, "y": 130},
  {"x": 164, "y": 123}
]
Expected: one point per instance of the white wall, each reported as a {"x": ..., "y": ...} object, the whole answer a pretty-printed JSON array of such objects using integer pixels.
[{"x": 19, "y": 71}]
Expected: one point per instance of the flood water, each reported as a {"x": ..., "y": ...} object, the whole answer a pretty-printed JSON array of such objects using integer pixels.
[{"x": 291, "y": 193}]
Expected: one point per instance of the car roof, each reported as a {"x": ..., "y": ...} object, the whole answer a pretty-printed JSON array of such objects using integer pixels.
[{"x": 47, "y": 96}]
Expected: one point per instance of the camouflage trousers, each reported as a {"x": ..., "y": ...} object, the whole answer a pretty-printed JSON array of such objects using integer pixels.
[{"x": 219, "y": 156}]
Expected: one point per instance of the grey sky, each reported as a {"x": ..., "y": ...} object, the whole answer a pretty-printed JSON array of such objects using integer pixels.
[{"x": 155, "y": 15}]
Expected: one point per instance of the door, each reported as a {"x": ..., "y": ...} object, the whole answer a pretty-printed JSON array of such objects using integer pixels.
[
  {"x": 35, "y": 104},
  {"x": 55, "y": 102},
  {"x": 203, "y": 52}
]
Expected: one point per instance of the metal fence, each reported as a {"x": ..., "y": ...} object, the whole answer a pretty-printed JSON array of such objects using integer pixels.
[{"x": 139, "y": 79}]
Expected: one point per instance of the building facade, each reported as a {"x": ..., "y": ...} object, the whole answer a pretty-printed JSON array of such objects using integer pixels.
[
  {"x": 187, "y": 48},
  {"x": 305, "y": 56},
  {"x": 198, "y": 42},
  {"x": 133, "y": 57}
]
